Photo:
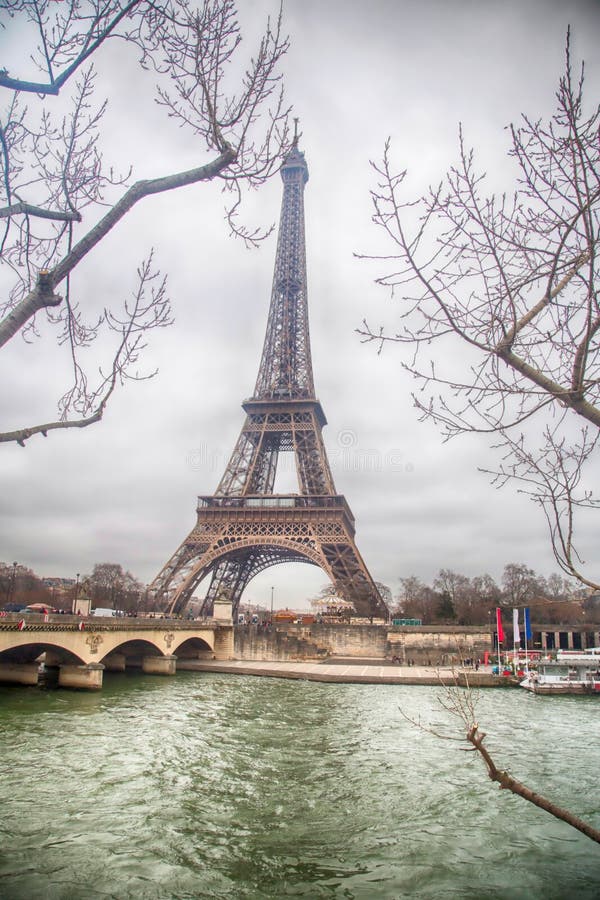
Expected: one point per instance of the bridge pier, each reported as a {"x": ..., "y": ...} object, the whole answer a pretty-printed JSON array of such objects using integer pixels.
[
  {"x": 19, "y": 673},
  {"x": 223, "y": 612},
  {"x": 115, "y": 662},
  {"x": 88, "y": 677},
  {"x": 52, "y": 659},
  {"x": 159, "y": 665},
  {"x": 224, "y": 645}
]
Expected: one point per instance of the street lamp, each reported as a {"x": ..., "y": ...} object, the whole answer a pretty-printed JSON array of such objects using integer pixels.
[
  {"x": 272, "y": 591},
  {"x": 13, "y": 581},
  {"x": 76, "y": 598}
]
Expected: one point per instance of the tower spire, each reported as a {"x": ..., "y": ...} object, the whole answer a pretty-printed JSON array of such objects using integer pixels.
[{"x": 285, "y": 367}]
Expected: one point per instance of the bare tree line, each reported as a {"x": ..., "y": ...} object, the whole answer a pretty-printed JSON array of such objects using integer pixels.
[
  {"x": 454, "y": 597},
  {"x": 108, "y": 585}
]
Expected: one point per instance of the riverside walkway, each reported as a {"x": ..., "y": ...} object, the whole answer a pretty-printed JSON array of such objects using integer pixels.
[{"x": 355, "y": 671}]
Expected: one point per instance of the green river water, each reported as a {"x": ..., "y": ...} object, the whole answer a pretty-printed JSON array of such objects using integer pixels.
[{"x": 220, "y": 786}]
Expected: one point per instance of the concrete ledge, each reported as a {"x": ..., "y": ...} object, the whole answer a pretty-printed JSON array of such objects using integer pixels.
[
  {"x": 115, "y": 662},
  {"x": 19, "y": 673},
  {"x": 192, "y": 665},
  {"x": 87, "y": 678},
  {"x": 354, "y": 673},
  {"x": 159, "y": 665}
]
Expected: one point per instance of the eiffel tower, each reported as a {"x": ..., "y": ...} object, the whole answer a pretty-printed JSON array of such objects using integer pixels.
[{"x": 243, "y": 528}]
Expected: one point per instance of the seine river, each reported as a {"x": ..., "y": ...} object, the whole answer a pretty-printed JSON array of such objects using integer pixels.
[{"x": 207, "y": 785}]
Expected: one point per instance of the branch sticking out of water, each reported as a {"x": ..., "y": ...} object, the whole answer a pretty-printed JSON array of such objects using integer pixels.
[
  {"x": 476, "y": 737},
  {"x": 460, "y": 702}
]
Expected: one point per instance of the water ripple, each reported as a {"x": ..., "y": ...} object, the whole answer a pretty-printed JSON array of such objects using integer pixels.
[{"x": 230, "y": 787}]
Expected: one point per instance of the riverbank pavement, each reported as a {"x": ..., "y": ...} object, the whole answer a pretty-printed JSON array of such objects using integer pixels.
[{"x": 354, "y": 672}]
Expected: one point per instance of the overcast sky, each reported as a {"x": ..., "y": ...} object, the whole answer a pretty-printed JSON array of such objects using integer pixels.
[{"x": 125, "y": 490}]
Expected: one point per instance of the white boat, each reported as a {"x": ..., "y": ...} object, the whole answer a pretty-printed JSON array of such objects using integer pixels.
[{"x": 568, "y": 672}]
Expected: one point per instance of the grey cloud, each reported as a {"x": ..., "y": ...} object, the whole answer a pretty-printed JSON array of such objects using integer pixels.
[{"x": 125, "y": 490}]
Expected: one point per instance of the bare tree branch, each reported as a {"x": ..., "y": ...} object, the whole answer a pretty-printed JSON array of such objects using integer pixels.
[
  {"x": 74, "y": 42},
  {"x": 513, "y": 280},
  {"x": 150, "y": 309},
  {"x": 59, "y": 198},
  {"x": 21, "y": 435},
  {"x": 508, "y": 783},
  {"x": 39, "y": 299},
  {"x": 30, "y": 210},
  {"x": 461, "y": 704}
]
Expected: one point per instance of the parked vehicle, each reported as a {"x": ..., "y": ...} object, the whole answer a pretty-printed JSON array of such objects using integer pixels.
[{"x": 103, "y": 611}]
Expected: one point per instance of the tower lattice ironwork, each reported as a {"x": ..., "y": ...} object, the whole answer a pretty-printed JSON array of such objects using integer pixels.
[{"x": 243, "y": 528}]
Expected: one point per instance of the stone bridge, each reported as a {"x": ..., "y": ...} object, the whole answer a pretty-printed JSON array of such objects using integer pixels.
[{"x": 81, "y": 649}]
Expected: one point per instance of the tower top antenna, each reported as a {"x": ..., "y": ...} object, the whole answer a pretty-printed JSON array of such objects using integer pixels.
[{"x": 294, "y": 168}]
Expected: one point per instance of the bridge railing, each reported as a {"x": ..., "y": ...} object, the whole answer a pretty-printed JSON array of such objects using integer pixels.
[{"x": 60, "y": 622}]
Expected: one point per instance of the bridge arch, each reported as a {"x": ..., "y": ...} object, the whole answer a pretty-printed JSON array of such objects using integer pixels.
[
  {"x": 272, "y": 550},
  {"x": 26, "y": 650},
  {"x": 193, "y": 648},
  {"x": 133, "y": 648}
]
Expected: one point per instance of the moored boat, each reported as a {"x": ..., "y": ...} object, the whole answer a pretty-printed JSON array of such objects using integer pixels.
[{"x": 568, "y": 672}]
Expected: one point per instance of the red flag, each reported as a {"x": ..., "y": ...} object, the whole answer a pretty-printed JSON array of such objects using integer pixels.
[
  {"x": 21, "y": 625},
  {"x": 81, "y": 625},
  {"x": 499, "y": 628}
]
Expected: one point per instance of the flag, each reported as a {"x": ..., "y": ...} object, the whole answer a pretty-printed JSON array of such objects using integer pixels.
[
  {"x": 21, "y": 625},
  {"x": 81, "y": 626},
  {"x": 516, "y": 632},
  {"x": 528, "y": 632},
  {"x": 499, "y": 628}
]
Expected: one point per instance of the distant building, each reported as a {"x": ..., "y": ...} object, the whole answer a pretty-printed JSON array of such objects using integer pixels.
[{"x": 58, "y": 583}]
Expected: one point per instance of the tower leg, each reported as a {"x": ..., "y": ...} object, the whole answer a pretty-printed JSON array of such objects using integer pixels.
[
  {"x": 230, "y": 578},
  {"x": 247, "y": 537}
]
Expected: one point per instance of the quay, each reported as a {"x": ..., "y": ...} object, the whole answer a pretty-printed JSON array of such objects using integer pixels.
[{"x": 355, "y": 671}]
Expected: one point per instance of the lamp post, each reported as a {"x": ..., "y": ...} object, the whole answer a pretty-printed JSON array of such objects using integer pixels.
[
  {"x": 13, "y": 581},
  {"x": 76, "y": 597},
  {"x": 272, "y": 592}
]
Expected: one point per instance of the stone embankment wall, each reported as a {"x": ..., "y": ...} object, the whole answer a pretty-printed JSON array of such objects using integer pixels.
[
  {"x": 280, "y": 644},
  {"x": 433, "y": 645},
  {"x": 438, "y": 645}
]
